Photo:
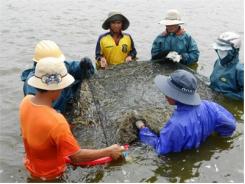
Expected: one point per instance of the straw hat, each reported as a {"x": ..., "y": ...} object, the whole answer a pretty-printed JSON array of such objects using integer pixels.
[
  {"x": 172, "y": 18},
  {"x": 50, "y": 74},
  {"x": 47, "y": 48},
  {"x": 180, "y": 85},
  {"x": 115, "y": 16}
]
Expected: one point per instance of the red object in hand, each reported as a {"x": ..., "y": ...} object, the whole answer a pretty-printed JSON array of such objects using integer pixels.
[
  {"x": 99, "y": 161},
  {"x": 126, "y": 146}
]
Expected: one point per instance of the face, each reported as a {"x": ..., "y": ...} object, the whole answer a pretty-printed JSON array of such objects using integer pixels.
[
  {"x": 170, "y": 100},
  {"x": 116, "y": 26},
  {"x": 172, "y": 28}
]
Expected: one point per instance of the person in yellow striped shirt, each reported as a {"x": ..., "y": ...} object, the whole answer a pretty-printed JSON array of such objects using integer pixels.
[{"x": 115, "y": 47}]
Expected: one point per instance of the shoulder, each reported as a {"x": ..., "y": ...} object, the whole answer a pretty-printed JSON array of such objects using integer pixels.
[
  {"x": 160, "y": 37},
  {"x": 25, "y": 101},
  {"x": 58, "y": 120},
  {"x": 27, "y": 74},
  {"x": 103, "y": 35},
  {"x": 127, "y": 35},
  {"x": 211, "y": 107}
]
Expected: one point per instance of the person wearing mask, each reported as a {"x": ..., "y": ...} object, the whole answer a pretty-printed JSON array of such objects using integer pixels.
[
  {"x": 45, "y": 132},
  {"x": 175, "y": 44},
  {"x": 115, "y": 47},
  {"x": 80, "y": 70},
  {"x": 192, "y": 121},
  {"x": 228, "y": 73}
]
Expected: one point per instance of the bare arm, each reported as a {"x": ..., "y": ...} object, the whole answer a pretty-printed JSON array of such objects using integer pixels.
[{"x": 83, "y": 155}]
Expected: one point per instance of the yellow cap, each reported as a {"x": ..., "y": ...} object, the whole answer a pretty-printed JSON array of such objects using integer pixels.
[{"x": 47, "y": 48}]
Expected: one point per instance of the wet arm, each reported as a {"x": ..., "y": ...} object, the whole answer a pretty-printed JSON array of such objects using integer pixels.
[
  {"x": 170, "y": 140},
  {"x": 91, "y": 154}
]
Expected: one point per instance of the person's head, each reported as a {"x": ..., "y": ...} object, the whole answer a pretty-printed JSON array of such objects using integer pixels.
[
  {"x": 50, "y": 76},
  {"x": 227, "y": 46},
  {"x": 172, "y": 21},
  {"x": 47, "y": 48},
  {"x": 180, "y": 86},
  {"x": 116, "y": 22}
]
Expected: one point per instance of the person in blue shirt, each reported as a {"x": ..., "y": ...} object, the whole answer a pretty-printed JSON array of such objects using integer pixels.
[
  {"x": 174, "y": 43},
  {"x": 78, "y": 69},
  {"x": 192, "y": 121},
  {"x": 228, "y": 73}
]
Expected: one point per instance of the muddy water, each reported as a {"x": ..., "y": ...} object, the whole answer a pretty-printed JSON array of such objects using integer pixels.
[
  {"x": 112, "y": 101},
  {"x": 75, "y": 26}
]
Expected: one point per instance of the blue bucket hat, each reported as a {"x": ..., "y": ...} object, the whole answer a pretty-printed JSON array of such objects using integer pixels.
[{"x": 180, "y": 85}]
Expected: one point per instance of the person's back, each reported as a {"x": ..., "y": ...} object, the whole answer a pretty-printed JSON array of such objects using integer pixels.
[
  {"x": 192, "y": 121},
  {"x": 46, "y": 134},
  {"x": 45, "y": 152},
  {"x": 198, "y": 122}
]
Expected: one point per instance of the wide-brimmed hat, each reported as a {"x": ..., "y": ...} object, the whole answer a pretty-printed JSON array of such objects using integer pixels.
[
  {"x": 172, "y": 18},
  {"x": 47, "y": 48},
  {"x": 227, "y": 41},
  {"x": 180, "y": 85},
  {"x": 115, "y": 16},
  {"x": 50, "y": 74}
]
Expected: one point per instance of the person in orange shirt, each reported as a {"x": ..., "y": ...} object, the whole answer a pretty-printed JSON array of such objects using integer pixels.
[{"x": 46, "y": 134}]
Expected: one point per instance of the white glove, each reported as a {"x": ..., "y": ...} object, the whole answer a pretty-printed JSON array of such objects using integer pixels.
[
  {"x": 174, "y": 56},
  {"x": 139, "y": 124}
]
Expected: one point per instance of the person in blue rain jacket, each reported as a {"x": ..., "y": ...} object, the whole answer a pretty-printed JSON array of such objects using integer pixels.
[
  {"x": 228, "y": 73},
  {"x": 192, "y": 121},
  {"x": 174, "y": 43},
  {"x": 78, "y": 69}
]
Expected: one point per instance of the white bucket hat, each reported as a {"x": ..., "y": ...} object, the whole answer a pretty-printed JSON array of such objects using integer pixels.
[
  {"x": 227, "y": 41},
  {"x": 180, "y": 85},
  {"x": 172, "y": 18},
  {"x": 50, "y": 74}
]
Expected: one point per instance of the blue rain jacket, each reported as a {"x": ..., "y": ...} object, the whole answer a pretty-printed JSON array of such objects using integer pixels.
[
  {"x": 181, "y": 42},
  {"x": 228, "y": 78},
  {"x": 77, "y": 70},
  {"x": 189, "y": 126}
]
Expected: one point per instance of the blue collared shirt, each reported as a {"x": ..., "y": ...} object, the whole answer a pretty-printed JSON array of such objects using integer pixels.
[
  {"x": 190, "y": 126},
  {"x": 182, "y": 43}
]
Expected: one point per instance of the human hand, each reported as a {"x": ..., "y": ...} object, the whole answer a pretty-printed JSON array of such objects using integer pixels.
[
  {"x": 103, "y": 63},
  {"x": 139, "y": 124},
  {"x": 116, "y": 151},
  {"x": 87, "y": 67},
  {"x": 128, "y": 59},
  {"x": 174, "y": 56}
]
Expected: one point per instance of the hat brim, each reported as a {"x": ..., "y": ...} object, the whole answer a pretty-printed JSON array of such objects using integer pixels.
[
  {"x": 61, "y": 58},
  {"x": 115, "y": 17},
  {"x": 171, "y": 22},
  {"x": 221, "y": 47},
  {"x": 165, "y": 87},
  {"x": 37, "y": 83}
]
